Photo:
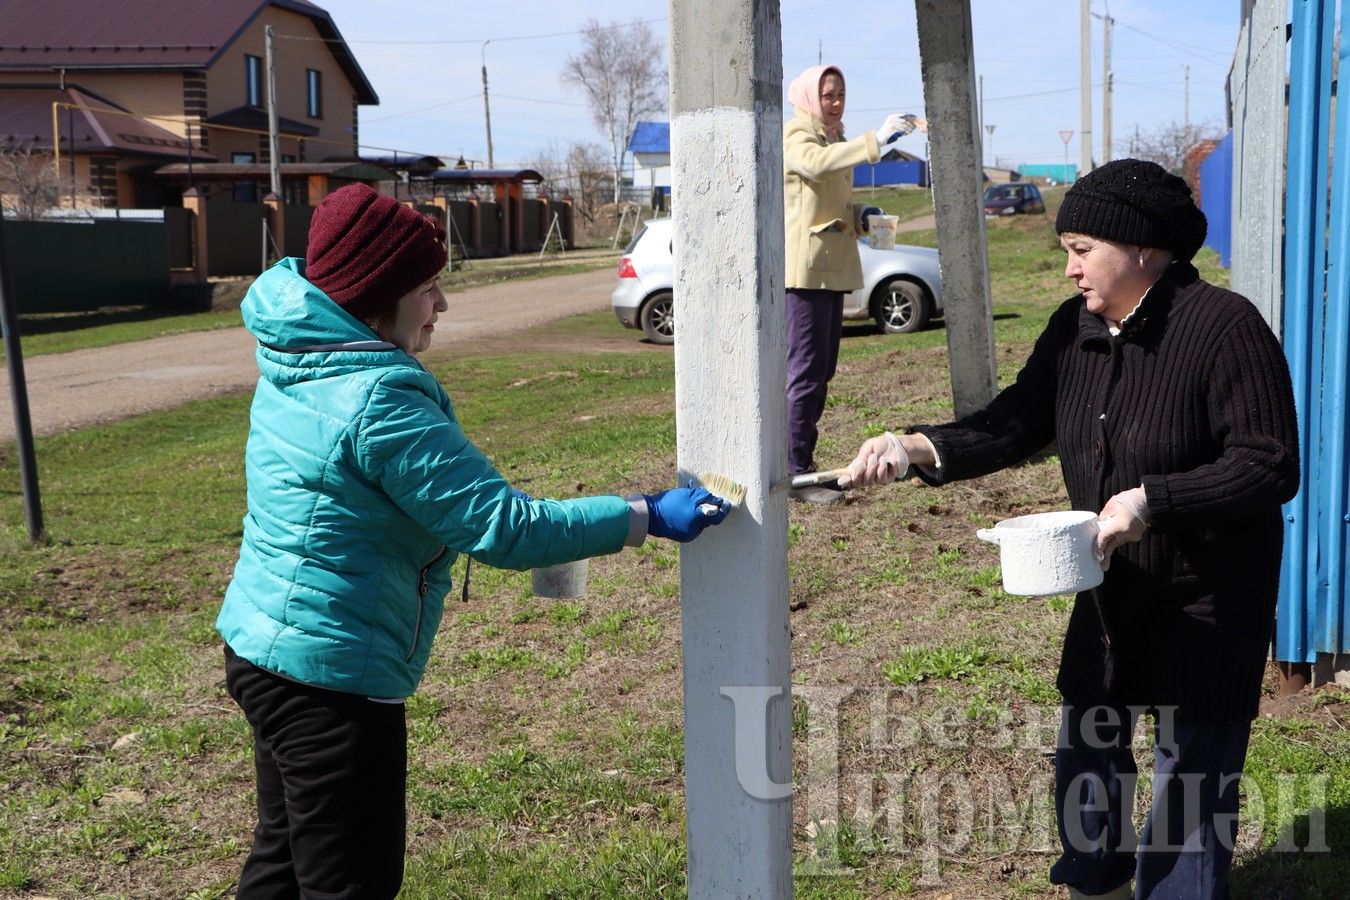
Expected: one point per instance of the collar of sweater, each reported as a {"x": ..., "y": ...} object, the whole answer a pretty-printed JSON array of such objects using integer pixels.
[{"x": 1152, "y": 309}]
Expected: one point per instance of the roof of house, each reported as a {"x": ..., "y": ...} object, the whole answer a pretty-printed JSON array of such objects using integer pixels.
[
  {"x": 354, "y": 170},
  {"x": 94, "y": 123},
  {"x": 650, "y": 137},
  {"x": 485, "y": 176},
  {"x": 407, "y": 162},
  {"x": 254, "y": 118},
  {"x": 45, "y": 35}
]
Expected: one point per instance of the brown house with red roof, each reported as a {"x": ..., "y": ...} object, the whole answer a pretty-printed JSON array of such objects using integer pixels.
[{"x": 139, "y": 97}]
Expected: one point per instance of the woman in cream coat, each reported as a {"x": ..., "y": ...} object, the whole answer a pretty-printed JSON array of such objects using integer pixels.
[{"x": 822, "y": 229}]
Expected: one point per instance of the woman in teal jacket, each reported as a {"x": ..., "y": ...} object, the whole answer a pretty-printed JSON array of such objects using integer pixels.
[{"x": 362, "y": 491}]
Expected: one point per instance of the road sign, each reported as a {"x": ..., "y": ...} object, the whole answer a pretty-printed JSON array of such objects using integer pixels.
[{"x": 1064, "y": 136}]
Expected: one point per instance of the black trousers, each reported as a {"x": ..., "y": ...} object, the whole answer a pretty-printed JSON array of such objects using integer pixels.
[{"x": 332, "y": 773}]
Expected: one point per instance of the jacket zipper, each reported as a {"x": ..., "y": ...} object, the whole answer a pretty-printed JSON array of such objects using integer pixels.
[{"x": 422, "y": 587}]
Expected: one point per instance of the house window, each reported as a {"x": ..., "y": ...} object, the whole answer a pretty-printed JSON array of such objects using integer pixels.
[
  {"x": 244, "y": 191},
  {"x": 252, "y": 80},
  {"x": 314, "y": 84}
]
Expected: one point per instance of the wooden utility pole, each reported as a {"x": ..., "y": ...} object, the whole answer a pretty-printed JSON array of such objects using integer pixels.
[
  {"x": 273, "y": 142},
  {"x": 731, "y": 417},
  {"x": 487, "y": 113},
  {"x": 946, "y": 60},
  {"x": 1186, "y": 107},
  {"x": 1085, "y": 89}
]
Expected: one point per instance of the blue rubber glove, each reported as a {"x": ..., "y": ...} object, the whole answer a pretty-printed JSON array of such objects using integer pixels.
[
  {"x": 868, "y": 211},
  {"x": 681, "y": 514}
]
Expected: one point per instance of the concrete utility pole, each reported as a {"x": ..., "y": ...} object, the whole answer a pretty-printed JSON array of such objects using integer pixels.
[
  {"x": 731, "y": 417},
  {"x": 1085, "y": 90},
  {"x": 1107, "y": 22},
  {"x": 487, "y": 113},
  {"x": 273, "y": 142},
  {"x": 947, "y": 63}
]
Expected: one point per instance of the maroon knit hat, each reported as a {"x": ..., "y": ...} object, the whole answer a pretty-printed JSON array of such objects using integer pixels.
[{"x": 367, "y": 250}]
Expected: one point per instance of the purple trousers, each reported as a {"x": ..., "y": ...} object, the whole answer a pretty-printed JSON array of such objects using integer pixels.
[{"x": 815, "y": 322}]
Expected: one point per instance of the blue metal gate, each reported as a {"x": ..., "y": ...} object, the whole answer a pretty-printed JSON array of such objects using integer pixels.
[{"x": 1313, "y": 604}]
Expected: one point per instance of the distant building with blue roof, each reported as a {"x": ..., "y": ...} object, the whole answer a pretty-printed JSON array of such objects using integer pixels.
[{"x": 650, "y": 146}]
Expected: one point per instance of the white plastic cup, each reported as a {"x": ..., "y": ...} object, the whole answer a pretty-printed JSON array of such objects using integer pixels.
[
  {"x": 564, "y": 581},
  {"x": 881, "y": 231}
]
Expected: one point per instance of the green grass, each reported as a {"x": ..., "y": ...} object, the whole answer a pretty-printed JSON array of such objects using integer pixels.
[
  {"x": 545, "y": 744},
  {"x": 45, "y": 334},
  {"x": 907, "y": 203}
]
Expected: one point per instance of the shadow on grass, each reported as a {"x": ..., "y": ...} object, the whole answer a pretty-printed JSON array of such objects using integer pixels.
[
  {"x": 1311, "y": 860},
  {"x": 57, "y": 323},
  {"x": 869, "y": 328}
]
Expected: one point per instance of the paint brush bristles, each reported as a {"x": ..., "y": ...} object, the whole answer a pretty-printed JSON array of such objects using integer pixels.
[{"x": 724, "y": 487}]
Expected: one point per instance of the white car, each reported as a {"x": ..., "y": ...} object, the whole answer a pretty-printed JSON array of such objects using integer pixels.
[{"x": 901, "y": 292}]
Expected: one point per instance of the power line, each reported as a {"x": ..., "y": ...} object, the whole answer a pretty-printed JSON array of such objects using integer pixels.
[
  {"x": 410, "y": 112},
  {"x": 533, "y": 100},
  {"x": 1176, "y": 45},
  {"x": 1067, "y": 90}
]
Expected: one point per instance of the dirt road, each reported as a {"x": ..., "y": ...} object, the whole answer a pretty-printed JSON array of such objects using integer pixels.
[{"x": 85, "y": 387}]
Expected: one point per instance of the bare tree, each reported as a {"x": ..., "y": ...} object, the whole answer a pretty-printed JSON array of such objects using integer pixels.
[
  {"x": 1168, "y": 144},
  {"x": 588, "y": 178},
  {"x": 620, "y": 70},
  {"x": 28, "y": 181},
  {"x": 550, "y": 162}
]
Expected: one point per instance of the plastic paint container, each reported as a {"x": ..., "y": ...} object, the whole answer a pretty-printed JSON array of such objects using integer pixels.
[
  {"x": 881, "y": 232},
  {"x": 1047, "y": 553},
  {"x": 564, "y": 581}
]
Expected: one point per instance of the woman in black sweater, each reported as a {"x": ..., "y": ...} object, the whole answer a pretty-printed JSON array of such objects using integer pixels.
[{"x": 1170, "y": 403}]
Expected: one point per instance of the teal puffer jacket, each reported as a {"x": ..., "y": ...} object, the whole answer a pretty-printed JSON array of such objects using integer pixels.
[{"x": 362, "y": 491}]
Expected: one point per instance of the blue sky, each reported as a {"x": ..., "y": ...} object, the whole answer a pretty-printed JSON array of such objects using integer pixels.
[{"x": 424, "y": 60}]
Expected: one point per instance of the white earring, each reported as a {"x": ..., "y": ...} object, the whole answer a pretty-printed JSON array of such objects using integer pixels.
[{"x": 1141, "y": 260}]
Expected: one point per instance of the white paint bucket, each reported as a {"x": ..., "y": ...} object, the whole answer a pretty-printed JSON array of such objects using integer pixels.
[
  {"x": 561, "y": 582},
  {"x": 881, "y": 232},
  {"x": 1047, "y": 553}
]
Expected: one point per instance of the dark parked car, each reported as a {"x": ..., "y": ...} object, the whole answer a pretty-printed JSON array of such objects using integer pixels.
[{"x": 1012, "y": 198}]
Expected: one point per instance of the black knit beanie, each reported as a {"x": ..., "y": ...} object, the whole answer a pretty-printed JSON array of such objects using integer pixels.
[{"x": 1132, "y": 201}]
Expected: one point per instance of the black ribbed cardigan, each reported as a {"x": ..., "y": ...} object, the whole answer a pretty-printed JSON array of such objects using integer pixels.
[{"x": 1193, "y": 400}]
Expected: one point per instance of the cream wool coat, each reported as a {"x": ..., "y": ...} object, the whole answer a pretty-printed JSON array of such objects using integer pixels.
[{"x": 822, "y": 222}]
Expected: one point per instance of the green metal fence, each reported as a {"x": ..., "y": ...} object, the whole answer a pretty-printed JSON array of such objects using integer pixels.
[{"x": 80, "y": 266}]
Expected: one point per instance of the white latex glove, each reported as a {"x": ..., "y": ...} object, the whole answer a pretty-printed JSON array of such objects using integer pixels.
[
  {"x": 1123, "y": 520},
  {"x": 880, "y": 460},
  {"x": 895, "y": 127}
]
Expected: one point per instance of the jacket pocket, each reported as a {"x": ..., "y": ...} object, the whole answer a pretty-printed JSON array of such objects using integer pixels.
[
  {"x": 423, "y": 584},
  {"x": 822, "y": 252}
]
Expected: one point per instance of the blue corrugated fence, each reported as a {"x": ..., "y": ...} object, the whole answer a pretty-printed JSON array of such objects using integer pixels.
[{"x": 1313, "y": 604}]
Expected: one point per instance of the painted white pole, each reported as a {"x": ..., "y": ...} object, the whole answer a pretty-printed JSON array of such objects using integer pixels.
[{"x": 731, "y": 413}]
